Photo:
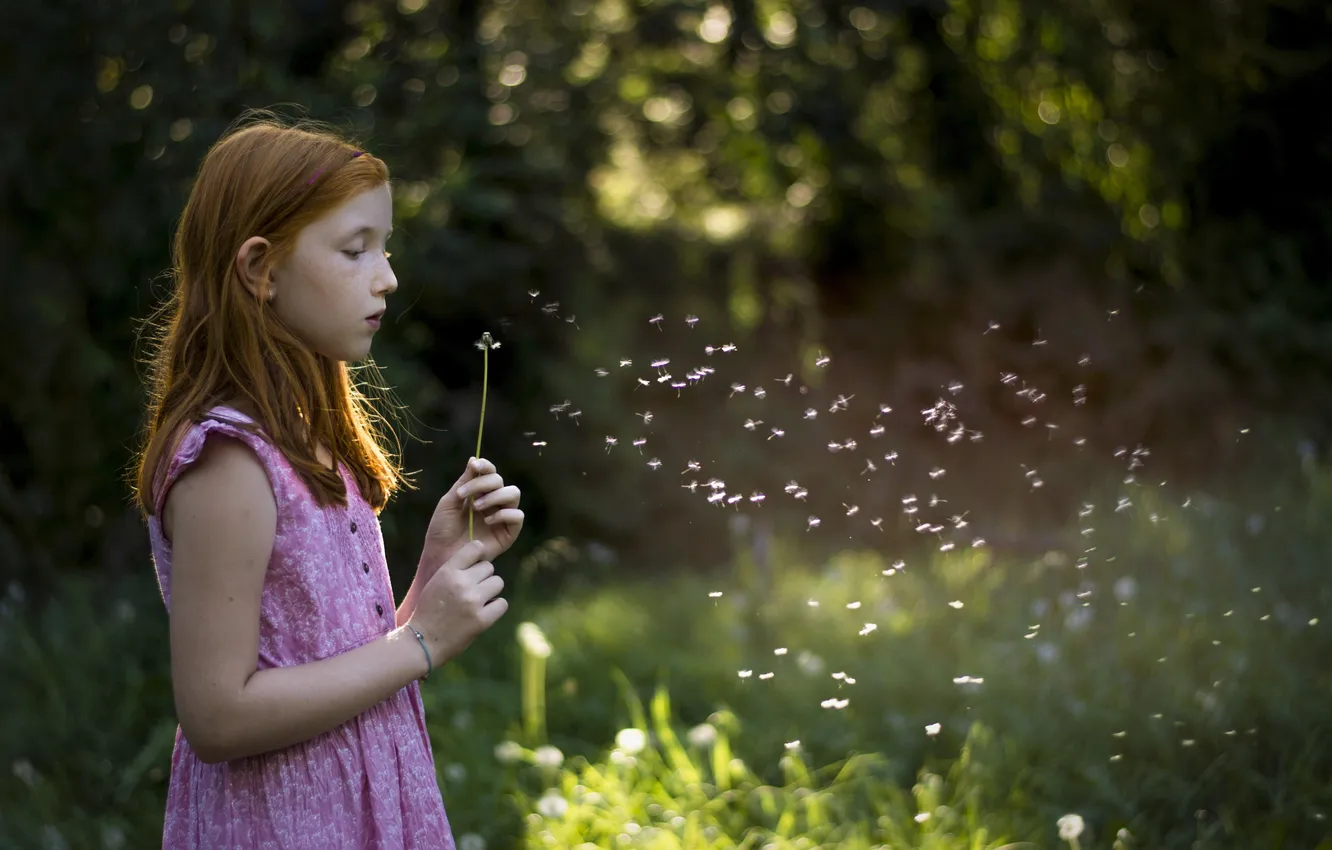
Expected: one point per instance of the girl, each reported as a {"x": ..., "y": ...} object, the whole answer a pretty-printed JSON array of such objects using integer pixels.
[{"x": 262, "y": 475}]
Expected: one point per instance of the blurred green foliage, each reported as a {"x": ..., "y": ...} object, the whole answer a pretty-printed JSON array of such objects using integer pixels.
[{"x": 1157, "y": 691}]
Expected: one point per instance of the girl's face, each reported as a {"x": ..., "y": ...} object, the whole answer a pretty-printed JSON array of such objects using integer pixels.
[{"x": 331, "y": 289}]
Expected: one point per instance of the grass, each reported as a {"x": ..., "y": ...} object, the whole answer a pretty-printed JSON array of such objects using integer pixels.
[{"x": 1155, "y": 693}]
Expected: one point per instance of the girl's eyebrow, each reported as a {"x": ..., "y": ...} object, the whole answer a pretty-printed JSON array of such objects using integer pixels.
[{"x": 366, "y": 229}]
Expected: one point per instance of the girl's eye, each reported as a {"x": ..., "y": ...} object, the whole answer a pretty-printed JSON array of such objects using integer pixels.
[{"x": 353, "y": 254}]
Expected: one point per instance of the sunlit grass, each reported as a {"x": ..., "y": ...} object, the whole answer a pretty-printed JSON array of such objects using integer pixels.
[{"x": 1169, "y": 694}]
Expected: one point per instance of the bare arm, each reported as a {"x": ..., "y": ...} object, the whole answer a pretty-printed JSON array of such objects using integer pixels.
[{"x": 221, "y": 518}]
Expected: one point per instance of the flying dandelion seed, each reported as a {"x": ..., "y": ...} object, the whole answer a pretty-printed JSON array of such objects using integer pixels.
[
  {"x": 551, "y": 309},
  {"x": 654, "y": 464},
  {"x": 869, "y": 627},
  {"x": 811, "y": 413},
  {"x": 533, "y": 293},
  {"x": 716, "y": 594},
  {"x": 610, "y": 443},
  {"x": 737, "y": 388},
  {"x": 639, "y": 443},
  {"x": 777, "y": 432},
  {"x": 624, "y": 362},
  {"x": 822, "y": 360},
  {"x": 601, "y": 373},
  {"x": 812, "y": 523},
  {"x": 760, "y": 393},
  {"x": 691, "y": 321},
  {"x": 657, "y": 320}
]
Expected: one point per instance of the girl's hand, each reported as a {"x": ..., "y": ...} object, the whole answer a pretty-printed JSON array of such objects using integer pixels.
[
  {"x": 460, "y": 601},
  {"x": 497, "y": 517}
]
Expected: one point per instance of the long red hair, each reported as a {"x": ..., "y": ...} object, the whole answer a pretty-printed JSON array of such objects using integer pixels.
[{"x": 216, "y": 342}]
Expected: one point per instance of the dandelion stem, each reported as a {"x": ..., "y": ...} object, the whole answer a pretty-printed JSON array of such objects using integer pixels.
[{"x": 480, "y": 428}]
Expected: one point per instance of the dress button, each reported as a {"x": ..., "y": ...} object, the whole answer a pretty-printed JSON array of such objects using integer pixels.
[
  {"x": 365, "y": 566},
  {"x": 379, "y": 609},
  {"x": 353, "y": 527}
]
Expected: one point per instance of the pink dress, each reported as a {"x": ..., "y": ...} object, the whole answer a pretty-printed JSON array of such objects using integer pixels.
[{"x": 371, "y": 782}]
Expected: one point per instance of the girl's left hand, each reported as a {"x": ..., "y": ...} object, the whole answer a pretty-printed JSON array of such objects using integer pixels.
[{"x": 497, "y": 517}]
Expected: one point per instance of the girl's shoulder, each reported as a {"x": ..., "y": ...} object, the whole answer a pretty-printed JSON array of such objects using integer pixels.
[{"x": 218, "y": 421}]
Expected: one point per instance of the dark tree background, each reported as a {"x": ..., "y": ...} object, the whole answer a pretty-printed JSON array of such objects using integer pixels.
[{"x": 1139, "y": 182}]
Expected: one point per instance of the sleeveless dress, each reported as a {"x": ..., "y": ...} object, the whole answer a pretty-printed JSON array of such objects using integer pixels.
[{"x": 369, "y": 783}]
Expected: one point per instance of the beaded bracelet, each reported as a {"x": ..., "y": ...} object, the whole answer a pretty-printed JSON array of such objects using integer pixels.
[{"x": 430, "y": 664}]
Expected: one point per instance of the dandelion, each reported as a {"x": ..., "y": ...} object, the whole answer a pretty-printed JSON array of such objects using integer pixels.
[
  {"x": 552, "y": 805},
  {"x": 631, "y": 740},
  {"x": 548, "y": 756},
  {"x": 485, "y": 343},
  {"x": 1071, "y": 827},
  {"x": 703, "y": 735},
  {"x": 508, "y": 752},
  {"x": 533, "y": 640}
]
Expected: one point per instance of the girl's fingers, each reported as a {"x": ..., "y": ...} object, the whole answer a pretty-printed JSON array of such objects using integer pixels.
[
  {"x": 505, "y": 497},
  {"x": 480, "y": 466},
  {"x": 480, "y": 485},
  {"x": 508, "y": 516}
]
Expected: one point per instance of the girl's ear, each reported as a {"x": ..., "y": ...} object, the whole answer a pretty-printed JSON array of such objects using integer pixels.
[{"x": 252, "y": 266}]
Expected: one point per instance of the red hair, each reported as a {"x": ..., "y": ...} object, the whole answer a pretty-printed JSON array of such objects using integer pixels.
[{"x": 216, "y": 341}]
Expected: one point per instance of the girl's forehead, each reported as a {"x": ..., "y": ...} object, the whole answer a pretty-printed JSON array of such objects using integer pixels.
[{"x": 371, "y": 209}]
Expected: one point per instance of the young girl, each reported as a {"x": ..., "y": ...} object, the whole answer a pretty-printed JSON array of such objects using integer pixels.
[{"x": 262, "y": 475}]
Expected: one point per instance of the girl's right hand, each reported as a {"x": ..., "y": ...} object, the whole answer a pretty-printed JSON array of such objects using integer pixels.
[{"x": 460, "y": 601}]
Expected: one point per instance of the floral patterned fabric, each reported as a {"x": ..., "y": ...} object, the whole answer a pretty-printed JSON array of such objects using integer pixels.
[{"x": 369, "y": 783}]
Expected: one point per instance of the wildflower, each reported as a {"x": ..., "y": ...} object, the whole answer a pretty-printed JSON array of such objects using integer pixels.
[
  {"x": 508, "y": 752},
  {"x": 1070, "y": 828},
  {"x": 703, "y": 735},
  {"x": 548, "y": 756},
  {"x": 631, "y": 741},
  {"x": 552, "y": 805},
  {"x": 533, "y": 640}
]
